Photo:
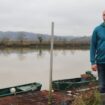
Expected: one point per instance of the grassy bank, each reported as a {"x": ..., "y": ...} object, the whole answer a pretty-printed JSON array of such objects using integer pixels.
[
  {"x": 26, "y": 43},
  {"x": 45, "y": 45},
  {"x": 91, "y": 97}
]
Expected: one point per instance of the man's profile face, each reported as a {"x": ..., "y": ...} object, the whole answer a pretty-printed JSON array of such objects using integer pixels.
[{"x": 104, "y": 15}]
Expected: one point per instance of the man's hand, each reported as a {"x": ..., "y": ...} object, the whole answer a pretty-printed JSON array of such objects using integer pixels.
[{"x": 94, "y": 67}]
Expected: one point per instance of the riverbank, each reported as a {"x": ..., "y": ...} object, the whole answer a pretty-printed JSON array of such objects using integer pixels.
[
  {"x": 56, "y": 45},
  {"x": 36, "y": 98},
  {"x": 87, "y": 97},
  {"x": 45, "y": 47}
]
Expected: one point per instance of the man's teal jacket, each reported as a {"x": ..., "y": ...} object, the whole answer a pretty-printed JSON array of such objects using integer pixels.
[{"x": 97, "y": 45}]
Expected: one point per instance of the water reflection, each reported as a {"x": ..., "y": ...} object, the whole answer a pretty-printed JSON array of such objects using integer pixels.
[
  {"x": 39, "y": 50},
  {"x": 24, "y": 65}
]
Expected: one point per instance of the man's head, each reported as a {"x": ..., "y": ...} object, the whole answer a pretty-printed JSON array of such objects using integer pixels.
[{"x": 103, "y": 15}]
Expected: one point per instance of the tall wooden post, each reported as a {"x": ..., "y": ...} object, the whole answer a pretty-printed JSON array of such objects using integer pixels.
[{"x": 51, "y": 64}]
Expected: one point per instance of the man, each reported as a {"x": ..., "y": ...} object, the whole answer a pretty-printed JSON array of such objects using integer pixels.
[{"x": 97, "y": 53}]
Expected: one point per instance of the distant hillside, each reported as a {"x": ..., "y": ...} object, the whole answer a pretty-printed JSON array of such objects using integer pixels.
[
  {"x": 83, "y": 39},
  {"x": 27, "y": 38}
]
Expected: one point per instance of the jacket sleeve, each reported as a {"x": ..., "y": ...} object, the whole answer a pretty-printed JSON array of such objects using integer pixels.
[{"x": 93, "y": 47}]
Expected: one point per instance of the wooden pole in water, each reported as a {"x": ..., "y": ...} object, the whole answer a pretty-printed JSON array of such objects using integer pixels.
[{"x": 51, "y": 64}]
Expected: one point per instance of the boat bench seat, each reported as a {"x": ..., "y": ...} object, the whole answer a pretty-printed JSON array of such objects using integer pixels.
[{"x": 26, "y": 88}]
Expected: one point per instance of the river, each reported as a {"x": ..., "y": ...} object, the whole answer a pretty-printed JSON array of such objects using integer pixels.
[{"x": 30, "y": 65}]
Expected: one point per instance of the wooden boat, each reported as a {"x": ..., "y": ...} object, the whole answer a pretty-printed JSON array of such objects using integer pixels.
[
  {"x": 74, "y": 83},
  {"x": 14, "y": 90}
]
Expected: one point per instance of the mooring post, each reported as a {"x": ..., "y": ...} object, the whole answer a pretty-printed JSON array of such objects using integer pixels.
[{"x": 51, "y": 64}]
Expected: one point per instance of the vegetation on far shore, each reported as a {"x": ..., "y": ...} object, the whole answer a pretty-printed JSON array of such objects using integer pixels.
[
  {"x": 26, "y": 39},
  {"x": 7, "y": 43}
]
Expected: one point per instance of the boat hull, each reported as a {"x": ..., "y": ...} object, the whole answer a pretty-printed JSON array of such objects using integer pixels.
[
  {"x": 20, "y": 89},
  {"x": 69, "y": 84}
]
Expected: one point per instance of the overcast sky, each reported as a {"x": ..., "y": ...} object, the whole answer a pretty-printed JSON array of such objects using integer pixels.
[{"x": 71, "y": 17}]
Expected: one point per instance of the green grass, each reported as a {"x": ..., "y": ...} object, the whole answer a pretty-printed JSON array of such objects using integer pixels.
[{"x": 91, "y": 97}]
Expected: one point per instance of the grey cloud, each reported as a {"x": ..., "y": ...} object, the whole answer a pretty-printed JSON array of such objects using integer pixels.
[{"x": 71, "y": 17}]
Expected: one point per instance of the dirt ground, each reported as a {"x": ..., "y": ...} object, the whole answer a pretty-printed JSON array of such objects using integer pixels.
[{"x": 37, "y": 98}]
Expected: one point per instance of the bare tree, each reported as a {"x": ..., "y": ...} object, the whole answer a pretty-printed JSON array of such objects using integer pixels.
[{"x": 40, "y": 39}]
